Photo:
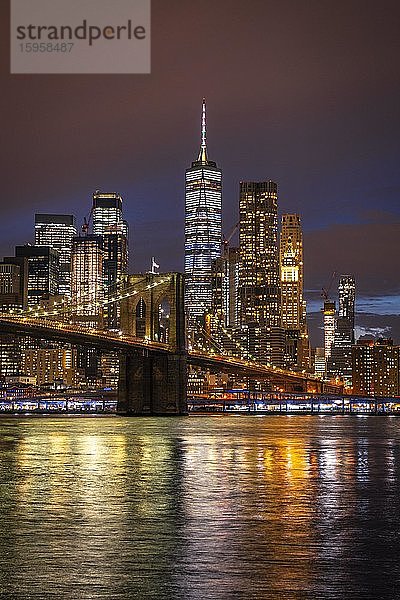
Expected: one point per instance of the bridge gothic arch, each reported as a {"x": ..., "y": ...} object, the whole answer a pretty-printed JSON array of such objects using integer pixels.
[
  {"x": 154, "y": 382},
  {"x": 140, "y": 318},
  {"x": 156, "y": 311},
  {"x": 162, "y": 319}
]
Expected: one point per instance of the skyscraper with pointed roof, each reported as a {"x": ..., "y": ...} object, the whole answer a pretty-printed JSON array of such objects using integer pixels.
[
  {"x": 296, "y": 351},
  {"x": 203, "y": 229}
]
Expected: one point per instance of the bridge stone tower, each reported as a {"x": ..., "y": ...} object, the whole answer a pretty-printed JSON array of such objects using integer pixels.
[{"x": 153, "y": 380}]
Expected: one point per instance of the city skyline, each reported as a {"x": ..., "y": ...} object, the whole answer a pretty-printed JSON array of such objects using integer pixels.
[
  {"x": 200, "y": 299},
  {"x": 326, "y": 129}
]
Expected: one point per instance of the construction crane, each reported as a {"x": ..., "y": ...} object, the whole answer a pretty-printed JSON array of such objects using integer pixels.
[
  {"x": 87, "y": 220},
  {"x": 325, "y": 292},
  {"x": 226, "y": 241}
]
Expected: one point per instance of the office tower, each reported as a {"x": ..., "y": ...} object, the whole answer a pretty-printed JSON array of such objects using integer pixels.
[
  {"x": 319, "y": 361},
  {"x": 291, "y": 269},
  {"x": 87, "y": 296},
  {"x": 108, "y": 222},
  {"x": 57, "y": 231},
  {"x": 107, "y": 212},
  {"x": 203, "y": 230},
  {"x": 376, "y": 368},
  {"x": 225, "y": 281},
  {"x": 292, "y": 298},
  {"x": 329, "y": 311},
  {"x": 43, "y": 271},
  {"x": 259, "y": 295},
  {"x": 87, "y": 279},
  {"x": 347, "y": 298},
  {"x": 13, "y": 295},
  {"x": 13, "y": 283},
  {"x": 224, "y": 312},
  {"x": 115, "y": 266},
  {"x": 340, "y": 361}
]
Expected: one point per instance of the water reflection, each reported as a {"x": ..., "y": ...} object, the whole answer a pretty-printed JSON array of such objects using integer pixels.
[{"x": 274, "y": 507}]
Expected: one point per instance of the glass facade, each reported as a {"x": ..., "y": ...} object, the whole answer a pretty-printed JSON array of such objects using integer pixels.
[
  {"x": 13, "y": 283},
  {"x": 87, "y": 279},
  {"x": 108, "y": 223},
  {"x": 43, "y": 271},
  {"x": 258, "y": 242},
  {"x": 57, "y": 231},
  {"x": 107, "y": 212},
  {"x": 203, "y": 231},
  {"x": 340, "y": 361},
  {"x": 259, "y": 294}
]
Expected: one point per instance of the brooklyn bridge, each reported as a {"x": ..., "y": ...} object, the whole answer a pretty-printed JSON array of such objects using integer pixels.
[{"x": 153, "y": 350}]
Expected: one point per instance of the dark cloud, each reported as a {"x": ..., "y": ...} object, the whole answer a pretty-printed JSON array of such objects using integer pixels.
[{"x": 369, "y": 251}]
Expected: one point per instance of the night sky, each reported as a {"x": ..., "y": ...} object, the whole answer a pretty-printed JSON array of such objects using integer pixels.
[{"x": 303, "y": 93}]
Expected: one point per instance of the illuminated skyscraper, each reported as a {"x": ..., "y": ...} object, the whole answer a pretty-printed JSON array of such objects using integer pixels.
[
  {"x": 107, "y": 212},
  {"x": 293, "y": 303},
  {"x": 225, "y": 273},
  {"x": 13, "y": 283},
  {"x": 340, "y": 361},
  {"x": 108, "y": 222},
  {"x": 259, "y": 294},
  {"x": 224, "y": 312},
  {"x": 43, "y": 271},
  {"x": 329, "y": 327},
  {"x": 291, "y": 269},
  {"x": 347, "y": 300},
  {"x": 13, "y": 294},
  {"x": 203, "y": 230},
  {"x": 87, "y": 279},
  {"x": 57, "y": 231}
]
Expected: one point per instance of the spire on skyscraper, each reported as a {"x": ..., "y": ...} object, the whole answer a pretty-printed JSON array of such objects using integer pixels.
[{"x": 202, "y": 158}]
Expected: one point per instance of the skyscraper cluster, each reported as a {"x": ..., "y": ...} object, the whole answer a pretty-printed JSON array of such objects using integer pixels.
[
  {"x": 78, "y": 274},
  {"x": 250, "y": 297},
  {"x": 245, "y": 299}
]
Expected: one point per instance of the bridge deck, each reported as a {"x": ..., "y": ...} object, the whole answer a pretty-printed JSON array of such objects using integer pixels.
[{"x": 110, "y": 341}]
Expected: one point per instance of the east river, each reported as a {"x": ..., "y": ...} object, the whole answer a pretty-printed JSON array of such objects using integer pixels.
[{"x": 200, "y": 508}]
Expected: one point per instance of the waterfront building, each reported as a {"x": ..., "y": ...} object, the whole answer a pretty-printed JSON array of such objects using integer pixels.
[
  {"x": 43, "y": 271},
  {"x": 297, "y": 351},
  {"x": 57, "y": 231},
  {"x": 376, "y": 368},
  {"x": 203, "y": 230},
  {"x": 50, "y": 365},
  {"x": 87, "y": 279},
  {"x": 10, "y": 355},
  {"x": 109, "y": 367},
  {"x": 259, "y": 293}
]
